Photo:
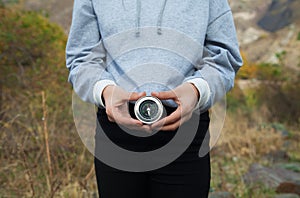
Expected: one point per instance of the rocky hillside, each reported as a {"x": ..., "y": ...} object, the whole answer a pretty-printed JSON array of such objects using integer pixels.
[
  {"x": 280, "y": 14},
  {"x": 268, "y": 29},
  {"x": 265, "y": 28}
]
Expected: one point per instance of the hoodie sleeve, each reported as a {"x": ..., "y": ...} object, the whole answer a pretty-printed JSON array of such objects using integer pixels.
[
  {"x": 214, "y": 77},
  {"x": 85, "y": 54}
]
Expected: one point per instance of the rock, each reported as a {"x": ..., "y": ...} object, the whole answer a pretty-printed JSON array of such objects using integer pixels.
[
  {"x": 287, "y": 196},
  {"x": 289, "y": 187},
  {"x": 270, "y": 177},
  {"x": 260, "y": 174},
  {"x": 279, "y": 15},
  {"x": 220, "y": 195},
  {"x": 277, "y": 156}
]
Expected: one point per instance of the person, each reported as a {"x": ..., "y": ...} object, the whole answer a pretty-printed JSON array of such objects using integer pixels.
[{"x": 113, "y": 63}]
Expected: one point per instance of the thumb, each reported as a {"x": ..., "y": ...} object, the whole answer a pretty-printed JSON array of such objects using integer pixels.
[
  {"x": 135, "y": 95},
  {"x": 165, "y": 95}
]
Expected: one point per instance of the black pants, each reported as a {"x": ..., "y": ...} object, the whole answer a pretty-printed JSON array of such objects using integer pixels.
[{"x": 188, "y": 176}]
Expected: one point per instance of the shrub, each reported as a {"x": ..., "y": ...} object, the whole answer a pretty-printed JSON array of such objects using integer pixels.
[
  {"x": 248, "y": 70},
  {"x": 32, "y": 53},
  {"x": 282, "y": 101}
]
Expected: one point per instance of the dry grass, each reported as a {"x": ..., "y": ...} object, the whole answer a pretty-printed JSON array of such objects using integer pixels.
[
  {"x": 243, "y": 142},
  {"x": 41, "y": 155},
  {"x": 244, "y": 137}
]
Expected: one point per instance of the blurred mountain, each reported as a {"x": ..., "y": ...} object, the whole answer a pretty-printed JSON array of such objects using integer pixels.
[
  {"x": 266, "y": 29},
  {"x": 280, "y": 14},
  {"x": 269, "y": 31}
]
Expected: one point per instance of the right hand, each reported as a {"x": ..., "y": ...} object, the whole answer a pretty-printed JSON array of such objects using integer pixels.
[{"x": 116, "y": 104}]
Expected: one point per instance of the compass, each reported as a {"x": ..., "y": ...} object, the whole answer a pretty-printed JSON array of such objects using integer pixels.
[{"x": 148, "y": 109}]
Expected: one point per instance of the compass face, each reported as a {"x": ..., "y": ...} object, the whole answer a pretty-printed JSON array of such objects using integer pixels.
[{"x": 148, "y": 109}]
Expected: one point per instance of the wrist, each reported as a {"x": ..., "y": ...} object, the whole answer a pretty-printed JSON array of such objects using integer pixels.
[
  {"x": 204, "y": 91},
  {"x": 106, "y": 92},
  {"x": 98, "y": 91},
  {"x": 196, "y": 91}
]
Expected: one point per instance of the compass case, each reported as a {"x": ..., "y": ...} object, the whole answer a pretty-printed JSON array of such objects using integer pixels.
[{"x": 148, "y": 109}]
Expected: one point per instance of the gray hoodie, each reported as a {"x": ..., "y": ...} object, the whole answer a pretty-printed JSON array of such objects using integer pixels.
[{"x": 152, "y": 45}]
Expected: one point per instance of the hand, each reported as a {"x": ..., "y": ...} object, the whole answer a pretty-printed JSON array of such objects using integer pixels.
[
  {"x": 186, "y": 96},
  {"x": 116, "y": 103}
]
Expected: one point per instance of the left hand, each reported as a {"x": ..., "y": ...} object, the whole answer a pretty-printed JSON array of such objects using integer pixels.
[{"x": 186, "y": 96}]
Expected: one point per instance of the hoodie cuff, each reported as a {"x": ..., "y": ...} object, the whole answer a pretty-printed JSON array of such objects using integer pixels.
[
  {"x": 204, "y": 91},
  {"x": 98, "y": 89}
]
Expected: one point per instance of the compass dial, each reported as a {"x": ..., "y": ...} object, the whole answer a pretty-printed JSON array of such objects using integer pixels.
[{"x": 148, "y": 109}]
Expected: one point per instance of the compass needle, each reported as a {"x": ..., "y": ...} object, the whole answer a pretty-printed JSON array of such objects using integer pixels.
[{"x": 149, "y": 111}]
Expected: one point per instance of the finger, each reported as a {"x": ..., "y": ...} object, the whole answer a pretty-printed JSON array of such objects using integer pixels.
[
  {"x": 145, "y": 128},
  {"x": 110, "y": 118},
  {"x": 128, "y": 121},
  {"x": 172, "y": 118},
  {"x": 119, "y": 115},
  {"x": 124, "y": 119},
  {"x": 109, "y": 114},
  {"x": 135, "y": 96},
  {"x": 164, "y": 95},
  {"x": 136, "y": 125},
  {"x": 171, "y": 127}
]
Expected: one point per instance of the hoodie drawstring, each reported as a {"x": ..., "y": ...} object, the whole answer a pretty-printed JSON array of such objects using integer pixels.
[
  {"x": 160, "y": 18},
  {"x": 138, "y": 17}
]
